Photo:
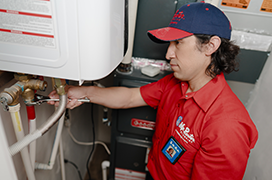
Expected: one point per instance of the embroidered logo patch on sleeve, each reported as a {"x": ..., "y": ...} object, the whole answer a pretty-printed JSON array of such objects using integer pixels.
[{"x": 173, "y": 150}]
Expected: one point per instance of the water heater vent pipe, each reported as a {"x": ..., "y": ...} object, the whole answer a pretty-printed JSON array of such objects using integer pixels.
[{"x": 125, "y": 66}]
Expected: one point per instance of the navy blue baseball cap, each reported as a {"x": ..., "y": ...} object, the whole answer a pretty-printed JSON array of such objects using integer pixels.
[{"x": 194, "y": 18}]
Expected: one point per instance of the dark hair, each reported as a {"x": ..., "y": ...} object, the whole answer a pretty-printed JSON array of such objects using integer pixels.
[{"x": 223, "y": 59}]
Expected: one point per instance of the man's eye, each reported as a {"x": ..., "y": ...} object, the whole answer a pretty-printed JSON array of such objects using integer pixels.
[{"x": 177, "y": 42}]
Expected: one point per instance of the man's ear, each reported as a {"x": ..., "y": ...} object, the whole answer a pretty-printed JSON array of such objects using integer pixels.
[{"x": 213, "y": 45}]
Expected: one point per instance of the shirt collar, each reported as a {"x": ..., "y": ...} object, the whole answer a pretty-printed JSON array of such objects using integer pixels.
[
  {"x": 208, "y": 93},
  {"x": 205, "y": 96}
]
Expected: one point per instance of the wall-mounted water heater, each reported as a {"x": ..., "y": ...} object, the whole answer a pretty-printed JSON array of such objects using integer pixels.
[{"x": 70, "y": 39}]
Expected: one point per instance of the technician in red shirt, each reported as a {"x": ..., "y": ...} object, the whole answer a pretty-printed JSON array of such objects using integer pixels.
[{"x": 198, "y": 116}]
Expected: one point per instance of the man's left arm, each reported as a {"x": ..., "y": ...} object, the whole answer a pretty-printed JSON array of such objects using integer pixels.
[{"x": 224, "y": 151}]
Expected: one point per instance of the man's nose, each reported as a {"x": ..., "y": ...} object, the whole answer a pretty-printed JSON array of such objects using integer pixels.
[{"x": 170, "y": 51}]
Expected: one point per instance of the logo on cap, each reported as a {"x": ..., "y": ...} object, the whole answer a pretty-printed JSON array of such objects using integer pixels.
[{"x": 177, "y": 17}]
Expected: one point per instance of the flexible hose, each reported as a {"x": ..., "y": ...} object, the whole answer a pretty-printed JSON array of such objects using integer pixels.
[{"x": 56, "y": 116}]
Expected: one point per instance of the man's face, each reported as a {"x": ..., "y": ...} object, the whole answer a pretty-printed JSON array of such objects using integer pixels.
[{"x": 186, "y": 60}]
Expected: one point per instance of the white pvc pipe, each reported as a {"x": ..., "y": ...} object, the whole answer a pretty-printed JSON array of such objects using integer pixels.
[
  {"x": 52, "y": 159},
  {"x": 7, "y": 166},
  {"x": 15, "y": 148},
  {"x": 19, "y": 132},
  {"x": 31, "y": 115},
  {"x": 105, "y": 165},
  {"x": 32, "y": 146}
]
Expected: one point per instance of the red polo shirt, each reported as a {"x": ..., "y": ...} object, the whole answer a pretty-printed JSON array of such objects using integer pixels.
[{"x": 211, "y": 126}]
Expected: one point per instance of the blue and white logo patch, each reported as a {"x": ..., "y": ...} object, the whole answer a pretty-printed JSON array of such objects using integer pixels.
[
  {"x": 179, "y": 120},
  {"x": 173, "y": 150}
]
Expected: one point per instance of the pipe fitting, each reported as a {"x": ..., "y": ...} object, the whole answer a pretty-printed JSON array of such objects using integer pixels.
[
  {"x": 28, "y": 95},
  {"x": 60, "y": 85},
  {"x": 5, "y": 99},
  {"x": 61, "y": 89},
  {"x": 11, "y": 94},
  {"x": 21, "y": 77},
  {"x": 36, "y": 84}
]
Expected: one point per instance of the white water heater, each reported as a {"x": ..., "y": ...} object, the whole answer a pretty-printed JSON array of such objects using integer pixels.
[{"x": 69, "y": 39}]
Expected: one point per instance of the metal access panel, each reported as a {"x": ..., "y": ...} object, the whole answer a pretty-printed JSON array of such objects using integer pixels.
[
  {"x": 139, "y": 121},
  {"x": 131, "y": 154}
]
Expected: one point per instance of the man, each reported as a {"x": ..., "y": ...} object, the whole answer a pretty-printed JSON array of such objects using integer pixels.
[{"x": 197, "y": 113}]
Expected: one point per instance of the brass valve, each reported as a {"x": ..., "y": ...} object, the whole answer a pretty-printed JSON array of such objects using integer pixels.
[{"x": 24, "y": 86}]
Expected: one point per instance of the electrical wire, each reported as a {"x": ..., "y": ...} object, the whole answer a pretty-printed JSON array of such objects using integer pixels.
[
  {"x": 87, "y": 143},
  {"x": 79, "y": 174}
]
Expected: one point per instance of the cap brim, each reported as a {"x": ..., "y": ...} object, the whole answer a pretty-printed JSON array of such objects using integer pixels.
[{"x": 167, "y": 34}]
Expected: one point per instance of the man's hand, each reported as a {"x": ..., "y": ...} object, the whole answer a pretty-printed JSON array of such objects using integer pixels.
[{"x": 73, "y": 93}]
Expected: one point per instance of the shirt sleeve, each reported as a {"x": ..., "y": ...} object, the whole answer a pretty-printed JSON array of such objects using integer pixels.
[
  {"x": 152, "y": 92},
  {"x": 224, "y": 151}
]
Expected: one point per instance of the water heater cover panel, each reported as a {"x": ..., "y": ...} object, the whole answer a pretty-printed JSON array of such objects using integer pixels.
[{"x": 77, "y": 40}]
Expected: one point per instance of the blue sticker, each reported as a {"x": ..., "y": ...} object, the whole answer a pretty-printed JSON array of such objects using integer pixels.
[
  {"x": 179, "y": 120},
  {"x": 173, "y": 150}
]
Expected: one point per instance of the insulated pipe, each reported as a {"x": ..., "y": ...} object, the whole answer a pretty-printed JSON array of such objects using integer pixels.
[
  {"x": 15, "y": 148},
  {"x": 19, "y": 132},
  {"x": 31, "y": 128},
  {"x": 56, "y": 143}
]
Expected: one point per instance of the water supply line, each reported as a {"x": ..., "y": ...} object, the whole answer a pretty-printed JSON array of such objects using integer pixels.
[
  {"x": 60, "y": 88},
  {"x": 10, "y": 96},
  {"x": 19, "y": 132},
  {"x": 10, "y": 101},
  {"x": 28, "y": 96},
  {"x": 31, "y": 128},
  {"x": 56, "y": 144}
]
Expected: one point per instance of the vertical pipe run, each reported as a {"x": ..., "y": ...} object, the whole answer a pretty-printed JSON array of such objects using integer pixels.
[
  {"x": 105, "y": 164},
  {"x": 132, "y": 9},
  {"x": 56, "y": 143},
  {"x": 62, "y": 160},
  {"x": 19, "y": 132},
  {"x": 31, "y": 128}
]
